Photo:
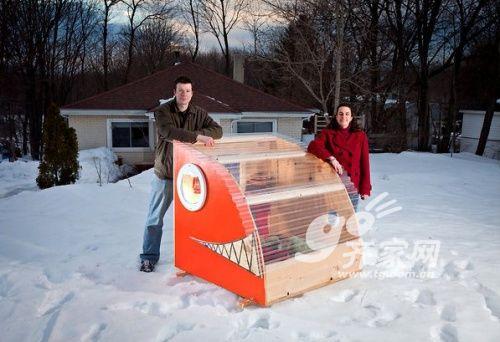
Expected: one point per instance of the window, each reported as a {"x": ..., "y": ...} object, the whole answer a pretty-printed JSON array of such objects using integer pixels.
[
  {"x": 191, "y": 187},
  {"x": 130, "y": 134},
  {"x": 254, "y": 126}
]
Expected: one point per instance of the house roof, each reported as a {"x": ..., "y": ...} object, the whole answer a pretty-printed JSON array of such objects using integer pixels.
[{"x": 212, "y": 91}]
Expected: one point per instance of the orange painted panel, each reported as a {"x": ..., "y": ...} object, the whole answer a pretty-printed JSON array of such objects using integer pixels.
[{"x": 224, "y": 218}]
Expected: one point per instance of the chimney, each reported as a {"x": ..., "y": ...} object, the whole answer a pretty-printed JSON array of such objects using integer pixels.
[
  {"x": 239, "y": 67},
  {"x": 177, "y": 57}
]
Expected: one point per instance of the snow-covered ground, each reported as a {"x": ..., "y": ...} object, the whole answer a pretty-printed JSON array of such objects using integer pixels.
[
  {"x": 17, "y": 176},
  {"x": 21, "y": 174},
  {"x": 69, "y": 256}
]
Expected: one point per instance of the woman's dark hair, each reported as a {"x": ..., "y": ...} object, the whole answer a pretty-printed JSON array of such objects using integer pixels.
[{"x": 353, "y": 126}]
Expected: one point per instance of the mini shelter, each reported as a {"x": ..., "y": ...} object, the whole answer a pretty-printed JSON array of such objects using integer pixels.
[{"x": 262, "y": 218}]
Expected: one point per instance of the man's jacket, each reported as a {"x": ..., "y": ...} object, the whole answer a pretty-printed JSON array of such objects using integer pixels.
[{"x": 171, "y": 125}]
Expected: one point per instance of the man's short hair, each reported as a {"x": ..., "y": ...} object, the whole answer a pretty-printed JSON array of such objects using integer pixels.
[{"x": 182, "y": 80}]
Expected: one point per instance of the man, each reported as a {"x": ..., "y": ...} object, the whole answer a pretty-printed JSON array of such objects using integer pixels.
[{"x": 178, "y": 120}]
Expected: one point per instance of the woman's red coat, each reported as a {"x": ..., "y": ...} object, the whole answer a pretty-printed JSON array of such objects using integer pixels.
[{"x": 351, "y": 152}]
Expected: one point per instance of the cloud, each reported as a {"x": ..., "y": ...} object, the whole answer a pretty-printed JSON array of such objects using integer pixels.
[{"x": 238, "y": 37}]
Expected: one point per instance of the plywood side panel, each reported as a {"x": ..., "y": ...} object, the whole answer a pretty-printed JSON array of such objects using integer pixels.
[{"x": 292, "y": 277}]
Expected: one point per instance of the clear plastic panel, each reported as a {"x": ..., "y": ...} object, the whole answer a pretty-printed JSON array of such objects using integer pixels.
[
  {"x": 298, "y": 203},
  {"x": 239, "y": 146}
]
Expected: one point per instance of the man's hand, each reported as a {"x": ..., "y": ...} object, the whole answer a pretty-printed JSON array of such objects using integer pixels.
[
  {"x": 208, "y": 141},
  {"x": 336, "y": 165}
]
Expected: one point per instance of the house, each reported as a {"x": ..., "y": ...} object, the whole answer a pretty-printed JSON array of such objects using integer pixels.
[
  {"x": 122, "y": 118},
  {"x": 471, "y": 130}
]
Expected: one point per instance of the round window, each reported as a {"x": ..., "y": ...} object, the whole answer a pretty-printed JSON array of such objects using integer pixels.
[{"x": 191, "y": 187}]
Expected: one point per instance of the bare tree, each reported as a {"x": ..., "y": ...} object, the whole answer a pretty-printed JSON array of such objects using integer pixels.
[
  {"x": 220, "y": 17},
  {"x": 77, "y": 27},
  {"x": 106, "y": 17},
  {"x": 10, "y": 126},
  {"x": 493, "y": 82},
  {"x": 155, "y": 41},
  {"x": 341, "y": 17},
  {"x": 98, "y": 168},
  {"x": 427, "y": 15},
  {"x": 8, "y": 98},
  {"x": 399, "y": 29},
  {"x": 140, "y": 12},
  {"x": 364, "y": 27},
  {"x": 31, "y": 33},
  {"x": 7, "y": 18},
  {"x": 254, "y": 20},
  {"x": 51, "y": 39},
  {"x": 310, "y": 48},
  {"x": 435, "y": 36},
  {"x": 464, "y": 17},
  {"x": 190, "y": 10}
]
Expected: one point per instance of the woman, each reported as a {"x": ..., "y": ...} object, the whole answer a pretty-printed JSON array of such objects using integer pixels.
[{"x": 345, "y": 146}]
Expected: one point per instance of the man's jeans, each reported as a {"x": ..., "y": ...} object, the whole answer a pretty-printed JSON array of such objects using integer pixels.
[{"x": 160, "y": 199}]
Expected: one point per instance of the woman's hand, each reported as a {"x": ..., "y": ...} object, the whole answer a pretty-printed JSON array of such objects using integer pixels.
[
  {"x": 363, "y": 197},
  {"x": 336, "y": 165}
]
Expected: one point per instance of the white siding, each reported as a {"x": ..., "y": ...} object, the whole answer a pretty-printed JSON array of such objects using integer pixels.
[
  {"x": 226, "y": 126},
  {"x": 473, "y": 123},
  {"x": 471, "y": 130},
  {"x": 291, "y": 127},
  {"x": 491, "y": 150},
  {"x": 91, "y": 131}
]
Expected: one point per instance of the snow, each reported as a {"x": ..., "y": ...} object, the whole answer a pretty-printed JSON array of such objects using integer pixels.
[
  {"x": 21, "y": 175},
  {"x": 98, "y": 160},
  {"x": 69, "y": 257},
  {"x": 17, "y": 176}
]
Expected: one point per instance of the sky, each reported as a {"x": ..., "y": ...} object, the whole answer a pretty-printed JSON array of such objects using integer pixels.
[{"x": 238, "y": 37}]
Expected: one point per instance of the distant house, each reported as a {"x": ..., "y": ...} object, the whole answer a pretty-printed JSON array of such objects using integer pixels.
[
  {"x": 471, "y": 130},
  {"x": 122, "y": 118}
]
